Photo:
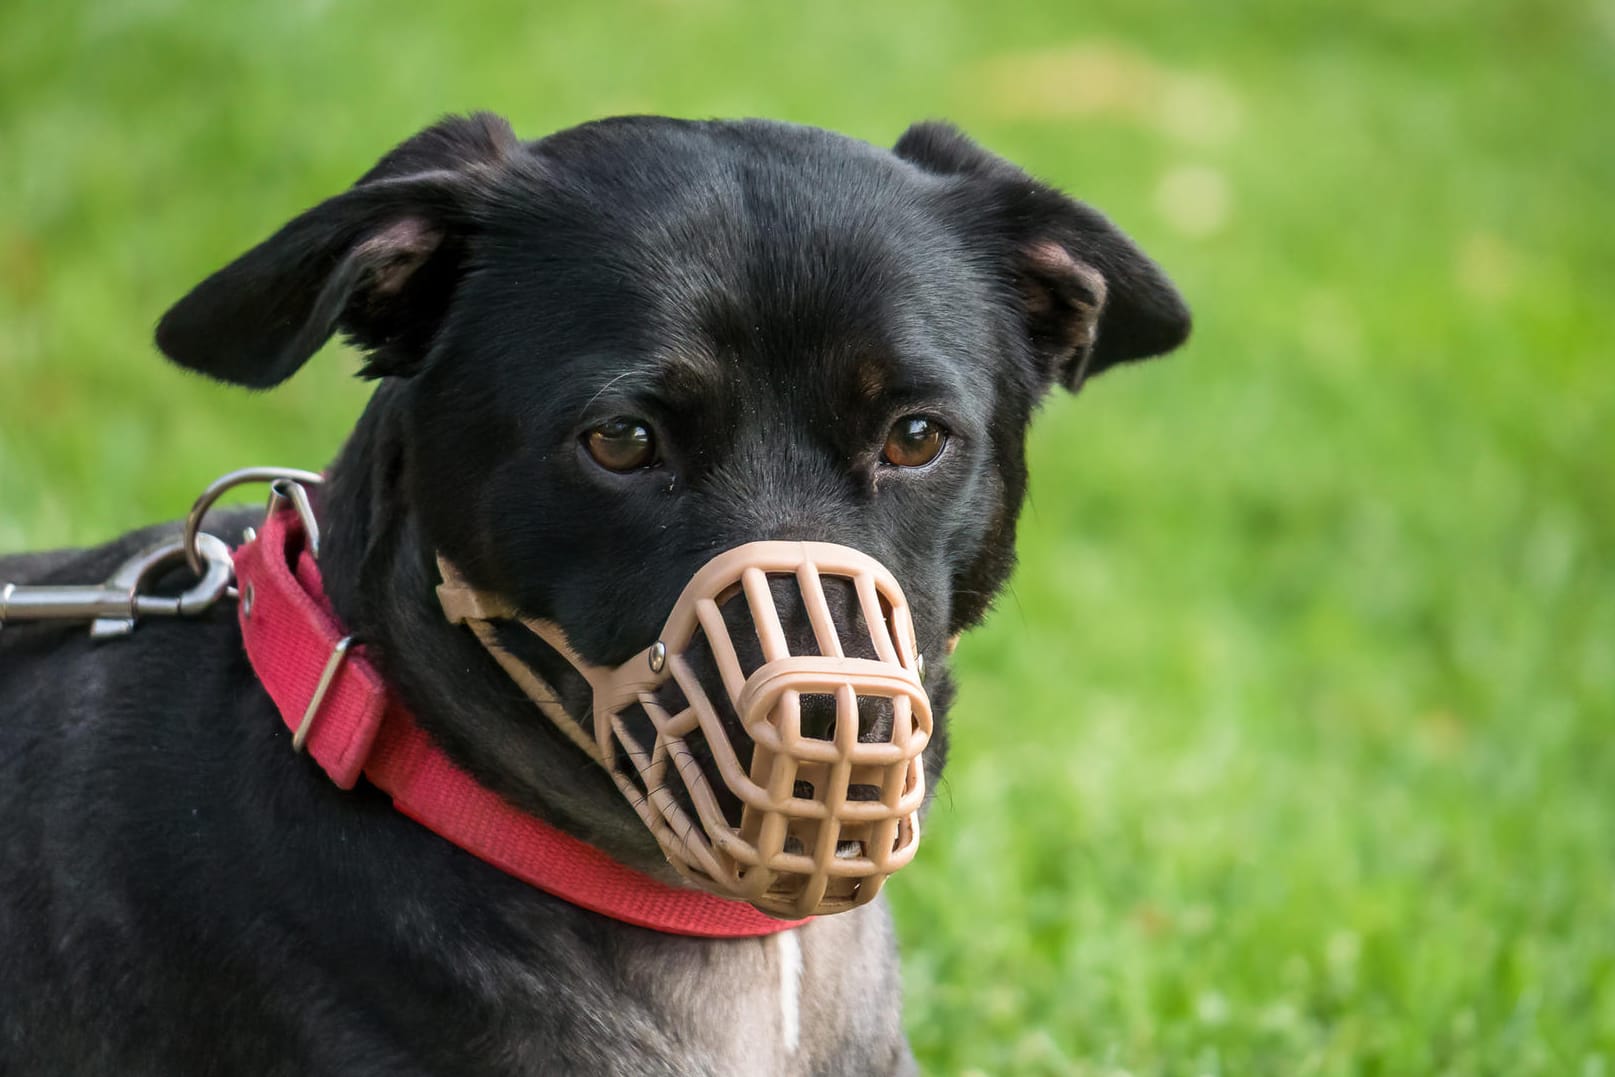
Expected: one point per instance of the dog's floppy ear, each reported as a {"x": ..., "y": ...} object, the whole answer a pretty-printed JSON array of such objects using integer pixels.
[
  {"x": 379, "y": 261},
  {"x": 1090, "y": 298}
]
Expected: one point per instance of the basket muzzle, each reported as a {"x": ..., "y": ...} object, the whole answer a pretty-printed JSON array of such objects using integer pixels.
[{"x": 821, "y": 751}]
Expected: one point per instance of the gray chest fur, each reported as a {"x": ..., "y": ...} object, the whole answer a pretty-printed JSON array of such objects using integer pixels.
[{"x": 821, "y": 999}]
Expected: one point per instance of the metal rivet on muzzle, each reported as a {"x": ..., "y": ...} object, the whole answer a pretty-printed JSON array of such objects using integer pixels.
[{"x": 658, "y": 656}]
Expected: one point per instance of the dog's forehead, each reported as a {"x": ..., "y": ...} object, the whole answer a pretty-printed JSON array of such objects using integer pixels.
[{"x": 752, "y": 244}]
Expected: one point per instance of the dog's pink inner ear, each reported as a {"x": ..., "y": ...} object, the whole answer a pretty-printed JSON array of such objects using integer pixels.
[
  {"x": 1064, "y": 298},
  {"x": 396, "y": 252}
]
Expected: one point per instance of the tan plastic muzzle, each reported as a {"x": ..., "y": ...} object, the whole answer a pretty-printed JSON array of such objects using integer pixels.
[{"x": 824, "y": 818}]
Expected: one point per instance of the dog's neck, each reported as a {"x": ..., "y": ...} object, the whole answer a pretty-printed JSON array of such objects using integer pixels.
[{"x": 379, "y": 572}]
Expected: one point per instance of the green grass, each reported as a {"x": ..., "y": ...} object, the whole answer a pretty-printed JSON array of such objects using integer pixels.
[{"x": 1290, "y": 751}]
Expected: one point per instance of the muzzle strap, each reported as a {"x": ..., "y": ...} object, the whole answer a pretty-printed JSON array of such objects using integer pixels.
[{"x": 478, "y": 610}]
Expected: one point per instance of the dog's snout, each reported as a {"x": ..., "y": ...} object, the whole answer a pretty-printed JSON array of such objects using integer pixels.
[
  {"x": 851, "y": 630},
  {"x": 819, "y": 711},
  {"x": 846, "y": 631}
]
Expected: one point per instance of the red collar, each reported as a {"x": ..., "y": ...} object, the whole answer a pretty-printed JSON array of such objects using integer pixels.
[{"x": 292, "y": 639}]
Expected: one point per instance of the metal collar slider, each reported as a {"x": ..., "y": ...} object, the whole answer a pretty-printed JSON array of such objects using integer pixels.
[{"x": 327, "y": 675}]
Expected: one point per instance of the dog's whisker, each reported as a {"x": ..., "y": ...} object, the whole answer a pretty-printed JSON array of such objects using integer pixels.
[{"x": 604, "y": 389}]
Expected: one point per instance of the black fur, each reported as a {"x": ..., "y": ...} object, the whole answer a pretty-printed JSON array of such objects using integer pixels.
[{"x": 181, "y": 894}]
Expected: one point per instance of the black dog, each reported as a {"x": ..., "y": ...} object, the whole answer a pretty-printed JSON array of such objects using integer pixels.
[{"x": 601, "y": 358}]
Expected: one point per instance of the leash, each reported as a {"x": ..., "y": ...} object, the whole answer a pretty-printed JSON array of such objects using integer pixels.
[{"x": 342, "y": 715}]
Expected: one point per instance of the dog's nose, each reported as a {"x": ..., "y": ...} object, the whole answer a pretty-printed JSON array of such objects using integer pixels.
[
  {"x": 846, "y": 613},
  {"x": 820, "y": 715},
  {"x": 852, "y": 634}
]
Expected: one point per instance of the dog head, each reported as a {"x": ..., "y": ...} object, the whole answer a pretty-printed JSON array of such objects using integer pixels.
[{"x": 609, "y": 355}]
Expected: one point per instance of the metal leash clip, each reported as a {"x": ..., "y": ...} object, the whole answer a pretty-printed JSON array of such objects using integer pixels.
[{"x": 113, "y": 607}]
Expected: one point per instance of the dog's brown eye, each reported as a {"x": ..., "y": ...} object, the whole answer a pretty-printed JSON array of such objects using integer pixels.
[
  {"x": 914, "y": 441},
  {"x": 621, "y": 444}
]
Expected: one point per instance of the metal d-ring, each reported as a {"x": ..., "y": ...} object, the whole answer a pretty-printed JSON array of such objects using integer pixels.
[{"x": 287, "y": 482}]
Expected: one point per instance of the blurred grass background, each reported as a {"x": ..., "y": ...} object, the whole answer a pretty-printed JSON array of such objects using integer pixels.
[{"x": 1290, "y": 751}]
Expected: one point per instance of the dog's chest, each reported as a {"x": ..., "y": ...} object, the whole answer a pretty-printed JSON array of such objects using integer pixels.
[
  {"x": 819, "y": 999},
  {"x": 736, "y": 1006}
]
